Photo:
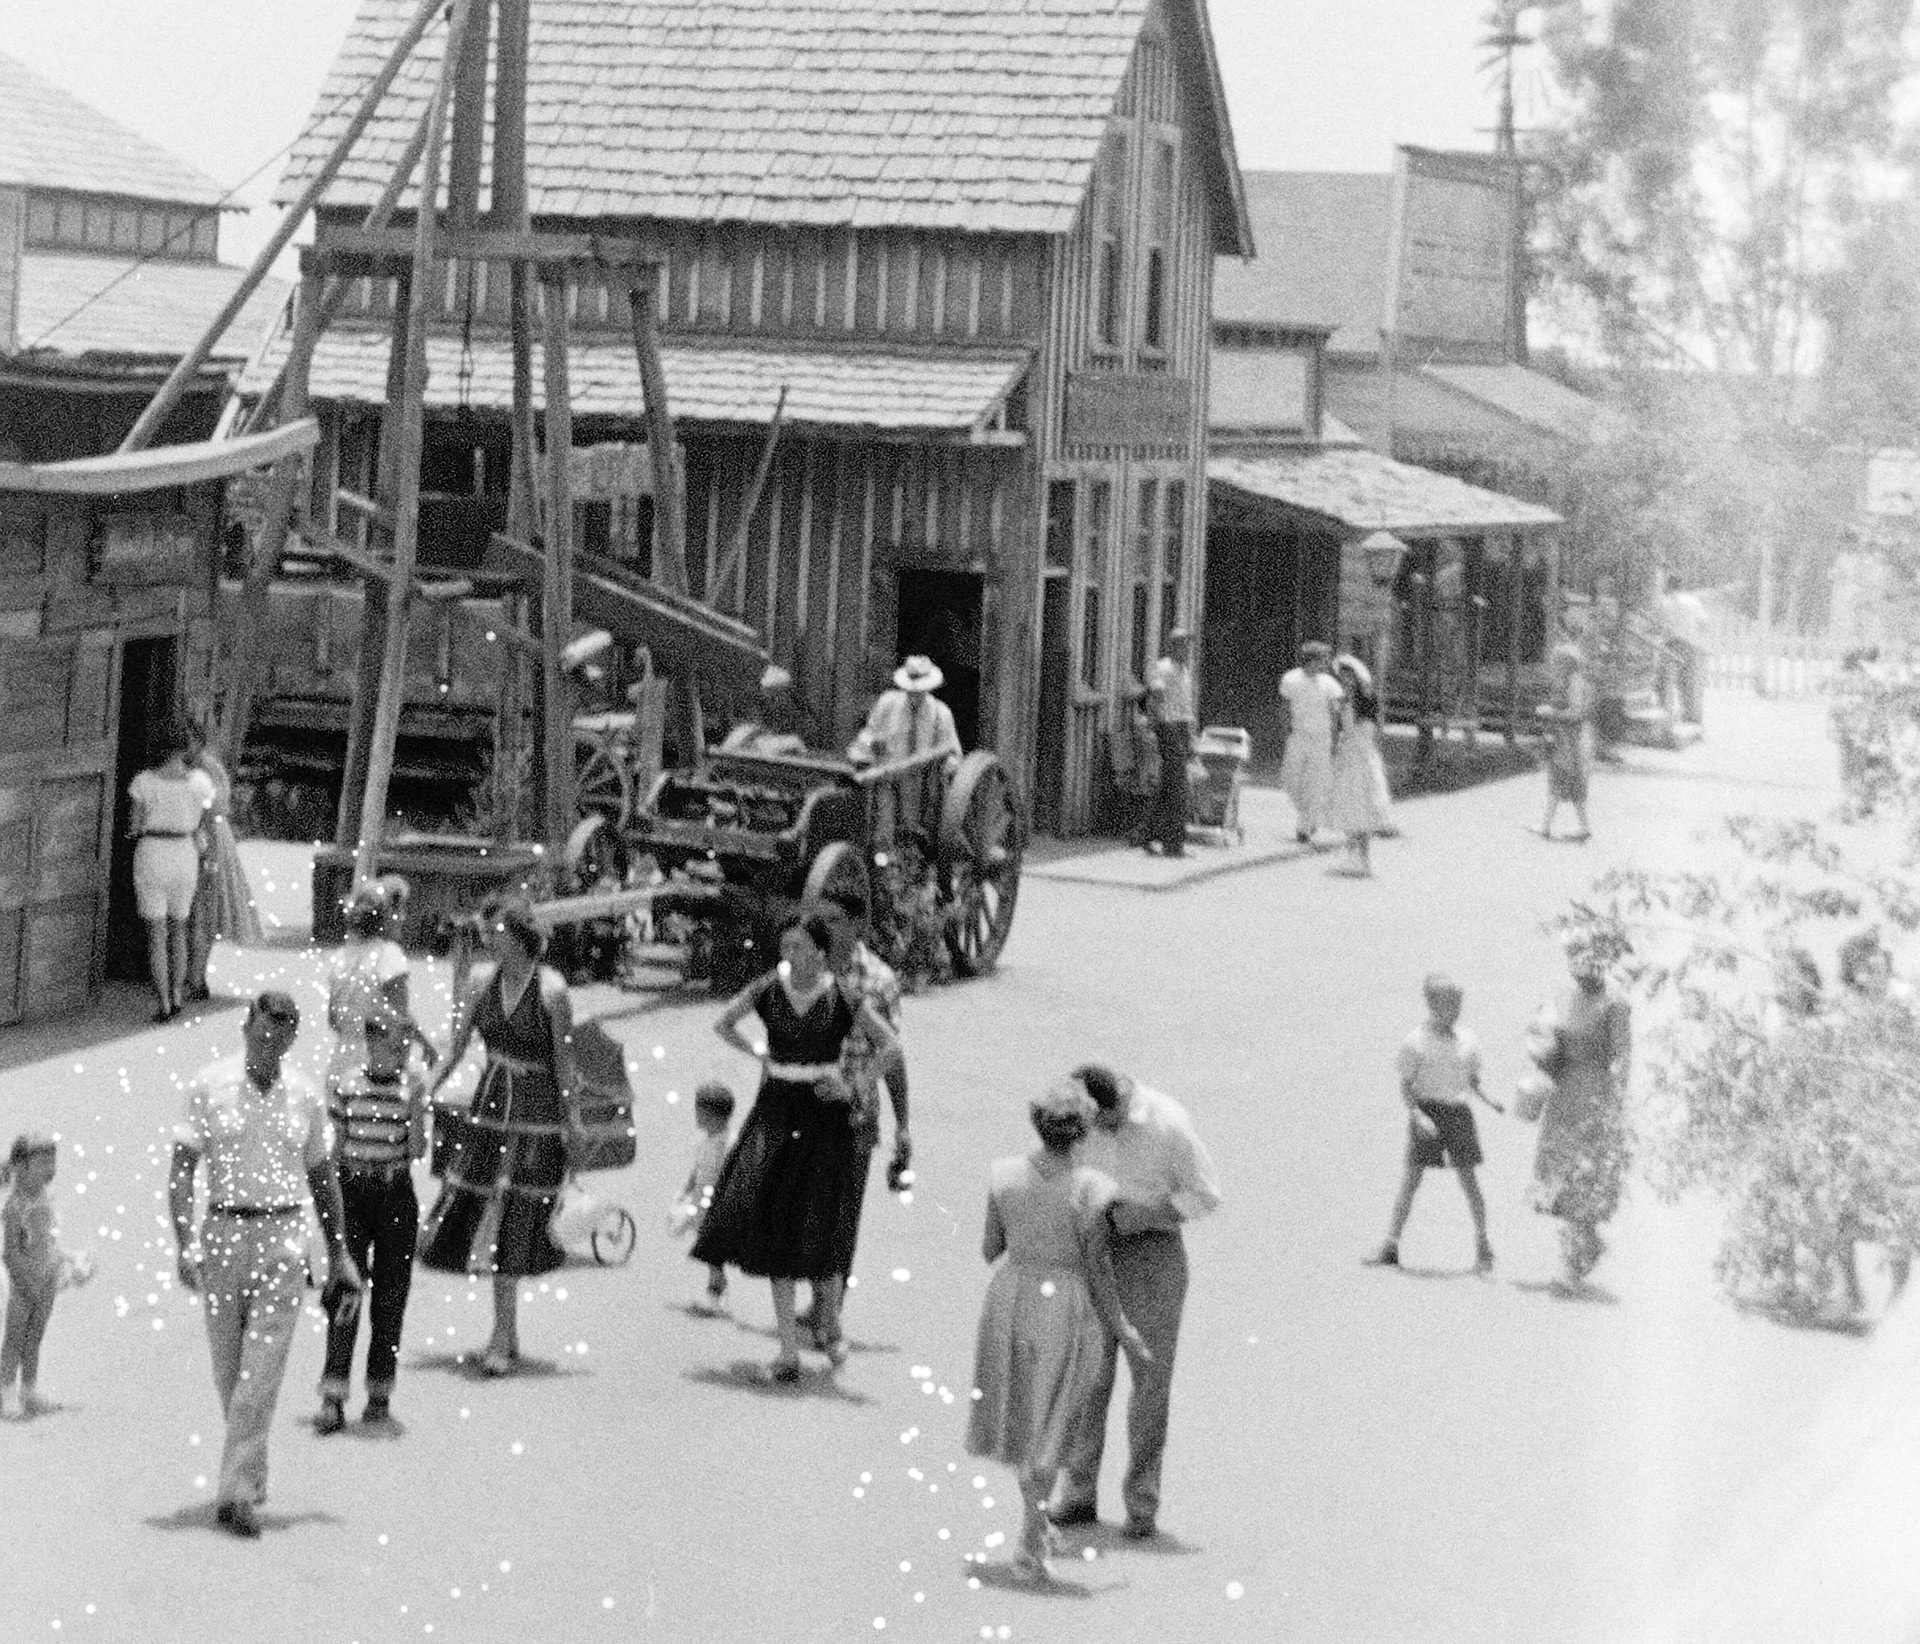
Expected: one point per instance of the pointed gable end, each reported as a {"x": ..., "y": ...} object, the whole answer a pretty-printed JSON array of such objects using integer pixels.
[{"x": 1191, "y": 34}]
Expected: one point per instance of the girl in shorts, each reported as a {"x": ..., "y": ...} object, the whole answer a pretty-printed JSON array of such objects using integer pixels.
[{"x": 170, "y": 805}]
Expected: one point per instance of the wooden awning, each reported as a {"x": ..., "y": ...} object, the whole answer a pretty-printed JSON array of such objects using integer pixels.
[{"x": 159, "y": 467}]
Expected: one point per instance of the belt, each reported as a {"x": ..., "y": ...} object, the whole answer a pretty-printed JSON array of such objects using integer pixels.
[
  {"x": 801, "y": 1073},
  {"x": 374, "y": 1170},
  {"x": 513, "y": 1064},
  {"x": 251, "y": 1212},
  {"x": 161, "y": 833}
]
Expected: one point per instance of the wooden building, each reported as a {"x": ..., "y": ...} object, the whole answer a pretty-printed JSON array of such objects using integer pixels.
[
  {"x": 109, "y": 271},
  {"x": 107, "y": 567},
  {"x": 969, "y": 241}
]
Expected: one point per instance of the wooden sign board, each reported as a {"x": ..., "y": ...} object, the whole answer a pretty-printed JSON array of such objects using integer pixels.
[
  {"x": 1128, "y": 408},
  {"x": 611, "y": 471},
  {"x": 145, "y": 548}
]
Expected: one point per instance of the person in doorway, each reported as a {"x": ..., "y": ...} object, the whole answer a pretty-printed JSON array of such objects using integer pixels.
[
  {"x": 1170, "y": 707},
  {"x": 1133, "y": 751},
  {"x": 1146, "y": 1143},
  {"x": 491, "y": 1218},
  {"x": 262, "y": 1134},
  {"x": 1309, "y": 704},
  {"x": 1439, "y": 1068},
  {"x": 907, "y": 720},
  {"x": 170, "y": 806}
]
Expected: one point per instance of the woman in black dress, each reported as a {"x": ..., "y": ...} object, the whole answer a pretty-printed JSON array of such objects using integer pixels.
[
  {"x": 777, "y": 1209},
  {"x": 491, "y": 1216}
]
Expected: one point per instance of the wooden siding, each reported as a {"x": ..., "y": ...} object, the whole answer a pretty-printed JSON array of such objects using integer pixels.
[
  {"x": 836, "y": 525},
  {"x": 1153, "y": 108},
  {"x": 65, "y": 612},
  {"x": 734, "y": 279}
]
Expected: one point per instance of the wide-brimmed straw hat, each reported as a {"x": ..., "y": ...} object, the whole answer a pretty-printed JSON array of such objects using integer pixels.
[
  {"x": 776, "y": 678},
  {"x": 919, "y": 673},
  {"x": 1345, "y": 663}
]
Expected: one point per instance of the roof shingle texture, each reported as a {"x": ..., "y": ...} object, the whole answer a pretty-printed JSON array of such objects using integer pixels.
[
  {"x": 76, "y": 303},
  {"x": 1368, "y": 492},
  {"x": 51, "y": 139},
  {"x": 982, "y": 115},
  {"x": 1528, "y": 397},
  {"x": 825, "y": 388},
  {"x": 1323, "y": 239}
]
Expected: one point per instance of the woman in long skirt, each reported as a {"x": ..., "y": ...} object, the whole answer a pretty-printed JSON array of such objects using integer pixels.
[
  {"x": 224, "y": 904},
  {"x": 1583, "y": 1045},
  {"x": 1042, "y": 1344},
  {"x": 1568, "y": 712},
  {"x": 492, "y": 1213},
  {"x": 778, "y": 1208},
  {"x": 1359, "y": 796}
]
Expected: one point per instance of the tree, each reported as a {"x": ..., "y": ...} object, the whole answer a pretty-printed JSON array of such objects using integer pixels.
[{"x": 1699, "y": 188}]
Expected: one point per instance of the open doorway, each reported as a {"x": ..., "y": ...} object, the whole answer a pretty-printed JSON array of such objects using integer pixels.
[
  {"x": 149, "y": 700},
  {"x": 1056, "y": 682},
  {"x": 940, "y": 617}
]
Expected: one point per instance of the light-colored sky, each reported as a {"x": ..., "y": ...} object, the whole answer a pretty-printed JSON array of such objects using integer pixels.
[{"x": 226, "y": 84}]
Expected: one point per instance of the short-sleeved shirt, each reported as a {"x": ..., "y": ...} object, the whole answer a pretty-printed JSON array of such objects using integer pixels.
[
  {"x": 172, "y": 804},
  {"x": 1156, "y": 1156},
  {"x": 868, "y": 979},
  {"x": 31, "y": 1248},
  {"x": 709, "y": 1154},
  {"x": 1172, "y": 686},
  {"x": 1440, "y": 1067},
  {"x": 258, "y": 1145},
  {"x": 373, "y": 1118},
  {"x": 1312, "y": 700},
  {"x": 359, "y": 972}
]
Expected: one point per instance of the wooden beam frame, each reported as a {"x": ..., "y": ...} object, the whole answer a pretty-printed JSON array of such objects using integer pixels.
[{"x": 353, "y": 252}]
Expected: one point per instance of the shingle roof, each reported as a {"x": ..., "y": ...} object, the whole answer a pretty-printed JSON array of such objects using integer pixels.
[
  {"x": 1528, "y": 397},
  {"x": 1368, "y": 492},
  {"x": 50, "y": 139},
  {"x": 853, "y": 388},
  {"x": 77, "y": 303},
  {"x": 1323, "y": 239},
  {"x": 981, "y": 115}
]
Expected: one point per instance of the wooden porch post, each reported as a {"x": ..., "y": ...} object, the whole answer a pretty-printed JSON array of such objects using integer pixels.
[
  {"x": 421, "y": 299},
  {"x": 1516, "y": 610},
  {"x": 556, "y": 602},
  {"x": 509, "y": 211}
]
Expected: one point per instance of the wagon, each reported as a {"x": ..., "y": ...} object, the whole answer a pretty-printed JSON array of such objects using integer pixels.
[{"x": 931, "y": 845}]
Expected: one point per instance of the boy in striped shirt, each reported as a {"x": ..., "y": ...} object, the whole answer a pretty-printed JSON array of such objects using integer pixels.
[{"x": 379, "y": 1128}]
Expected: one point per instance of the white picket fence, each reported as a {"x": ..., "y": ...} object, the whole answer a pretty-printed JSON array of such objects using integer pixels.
[{"x": 1740, "y": 658}]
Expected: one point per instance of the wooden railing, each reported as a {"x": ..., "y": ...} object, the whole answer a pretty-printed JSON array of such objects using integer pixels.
[{"x": 1741, "y": 658}]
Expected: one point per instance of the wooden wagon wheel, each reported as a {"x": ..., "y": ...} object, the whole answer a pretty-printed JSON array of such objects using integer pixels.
[
  {"x": 839, "y": 872},
  {"x": 602, "y": 783},
  {"x": 982, "y": 840},
  {"x": 597, "y": 854}
]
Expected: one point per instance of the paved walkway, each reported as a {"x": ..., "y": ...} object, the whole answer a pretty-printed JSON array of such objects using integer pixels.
[{"x": 1355, "y": 1456}]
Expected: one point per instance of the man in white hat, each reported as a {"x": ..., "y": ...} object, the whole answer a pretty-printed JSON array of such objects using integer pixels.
[
  {"x": 907, "y": 720},
  {"x": 1170, "y": 706}
]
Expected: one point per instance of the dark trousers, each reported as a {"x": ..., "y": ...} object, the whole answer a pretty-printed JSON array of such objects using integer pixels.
[
  {"x": 383, "y": 1220},
  {"x": 1150, "y": 1272},
  {"x": 1168, "y": 823}
]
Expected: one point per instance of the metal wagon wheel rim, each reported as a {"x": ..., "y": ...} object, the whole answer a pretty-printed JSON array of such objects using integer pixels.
[
  {"x": 617, "y": 1235},
  {"x": 981, "y": 845},
  {"x": 838, "y": 873}
]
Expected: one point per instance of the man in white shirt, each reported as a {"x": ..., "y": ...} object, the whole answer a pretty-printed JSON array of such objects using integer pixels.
[
  {"x": 1309, "y": 702},
  {"x": 1685, "y": 618},
  {"x": 1147, "y": 1143},
  {"x": 264, "y": 1139},
  {"x": 1170, "y": 706},
  {"x": 907, "y": 720}
]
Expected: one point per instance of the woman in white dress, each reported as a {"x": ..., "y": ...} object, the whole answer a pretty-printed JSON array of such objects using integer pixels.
[
  {"x": 170, "y": 805},
  {"x": 1310, "y": 699},
  {"x": 1041, "y": 1351},
  {"x": 1359, "y": 798}
]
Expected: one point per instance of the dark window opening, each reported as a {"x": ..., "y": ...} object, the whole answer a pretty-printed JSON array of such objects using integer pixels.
[
  {"x": 1090, "y": 639},
  {"x": 1156, "y": 299},
  {"x": 1137, "y": 656},
  {"x": 1060, "y": 521}
]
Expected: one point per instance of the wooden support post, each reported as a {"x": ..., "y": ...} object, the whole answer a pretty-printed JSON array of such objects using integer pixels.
[
  {"x": 509, "y": 211},
  {"x": 252, "y": 640},
  {"x": 556, "y": 594},
  {"x": 669, "y": 511},
  {"x": 737, "y": 543},
  {"x": 373, "y": 601},
  {"x": 1516, "y": 611},
  {"x": 467, "y": 143},
  {"x": 406, "y": 491},
  {"x": 140, "y": 436}
]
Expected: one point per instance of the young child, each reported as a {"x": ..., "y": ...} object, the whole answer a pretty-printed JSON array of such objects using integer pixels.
[
  {"x": 37, "y": 1268},
  {"x": 379, "y": 1128},
  {"x": 1439, "y": 1066},
  {"x": 713, "y": 1106}
]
